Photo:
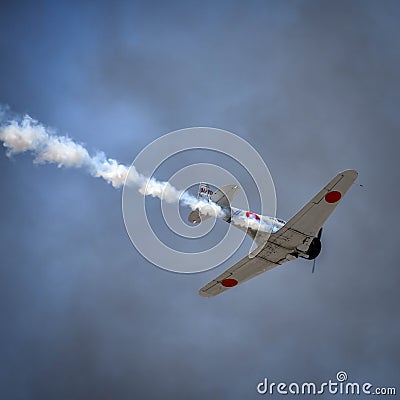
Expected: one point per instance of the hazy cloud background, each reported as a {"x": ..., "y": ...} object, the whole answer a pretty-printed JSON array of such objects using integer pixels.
[{"x": 313, "y": 85}]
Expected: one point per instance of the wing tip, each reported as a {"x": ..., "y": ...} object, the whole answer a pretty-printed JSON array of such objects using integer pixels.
[
  {"x": 202, "y": 293},
  {"x": 350, "y": 173}
]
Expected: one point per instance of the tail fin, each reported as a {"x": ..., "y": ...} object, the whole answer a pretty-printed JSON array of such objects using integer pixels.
[
  {"x": 222, "y": 197},
  {"x": 204, "y": 191}
]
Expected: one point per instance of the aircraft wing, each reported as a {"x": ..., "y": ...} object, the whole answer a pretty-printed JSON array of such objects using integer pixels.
[{"x": 296, "y": 234}]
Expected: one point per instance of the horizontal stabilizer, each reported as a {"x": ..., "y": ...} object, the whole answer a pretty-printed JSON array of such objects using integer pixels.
[{"x": 224, "y": 196}]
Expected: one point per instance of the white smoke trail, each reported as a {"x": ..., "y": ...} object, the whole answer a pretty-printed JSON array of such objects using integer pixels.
[{"x": 29, "y": 135}]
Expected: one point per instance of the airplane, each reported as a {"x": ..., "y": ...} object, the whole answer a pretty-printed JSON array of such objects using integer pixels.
[{"x": 278, "y": 241}]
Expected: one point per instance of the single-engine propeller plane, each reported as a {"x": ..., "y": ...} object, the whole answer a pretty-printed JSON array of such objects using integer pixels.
[{"x": 278, "y": 241}]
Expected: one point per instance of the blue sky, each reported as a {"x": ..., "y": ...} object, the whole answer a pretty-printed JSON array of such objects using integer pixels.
[{"x": 313, "y": 86}]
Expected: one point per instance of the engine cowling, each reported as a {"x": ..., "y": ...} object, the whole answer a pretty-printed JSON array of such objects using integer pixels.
[{"x": 314, "y": 249}]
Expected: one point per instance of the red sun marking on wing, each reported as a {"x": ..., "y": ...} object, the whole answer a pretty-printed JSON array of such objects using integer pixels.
[
  {"x": 333, "y": 197},
  {"x": 229, "y": 282}
]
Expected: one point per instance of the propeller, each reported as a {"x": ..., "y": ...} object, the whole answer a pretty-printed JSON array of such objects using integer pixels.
[{"x": 315, "y": 259}]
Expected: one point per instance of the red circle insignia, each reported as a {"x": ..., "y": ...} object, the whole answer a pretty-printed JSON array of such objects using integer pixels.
[
  {"x": 229, "y": 282},
  {"x": 250, "y": 214},
  {"x": 333, "y": 197}
]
